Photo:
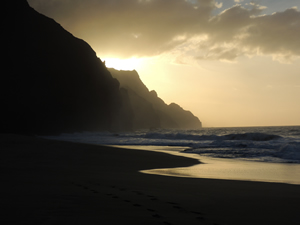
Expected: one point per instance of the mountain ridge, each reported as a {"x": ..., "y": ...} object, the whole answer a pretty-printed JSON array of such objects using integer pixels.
[
  {"x": 54, "y": 82},
  {"x": 169, "y": 116},
  {"x": 59, "y": 85}
]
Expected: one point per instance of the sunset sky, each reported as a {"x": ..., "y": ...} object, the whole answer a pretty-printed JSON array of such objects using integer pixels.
[{"x": 230, "y": 62}]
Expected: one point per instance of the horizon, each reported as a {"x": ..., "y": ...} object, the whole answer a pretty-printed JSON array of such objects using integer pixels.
[
  {"x": 241, "y": 126},
  {"x": 231, "y": 63}
]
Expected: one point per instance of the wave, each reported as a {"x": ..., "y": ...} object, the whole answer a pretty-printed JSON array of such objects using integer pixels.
[
  {"x": 289, "y": 151},
  {"x": 277, "y": 152},
  {"x": 243, "y": 136},
  {"x": 252, "y": 137},
  {"x": 278, "y": 144}
]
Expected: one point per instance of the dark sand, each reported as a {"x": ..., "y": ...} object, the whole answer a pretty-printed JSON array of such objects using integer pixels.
[{"x": 53, "y": 182}]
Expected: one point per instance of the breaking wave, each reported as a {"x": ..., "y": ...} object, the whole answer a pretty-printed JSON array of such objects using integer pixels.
[
  {"x": 243, "y": 136},
  {"x": 267, "y": 144}
]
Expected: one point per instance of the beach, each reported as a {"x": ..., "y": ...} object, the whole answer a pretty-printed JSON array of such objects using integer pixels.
[{"x": 57, "y": 182}]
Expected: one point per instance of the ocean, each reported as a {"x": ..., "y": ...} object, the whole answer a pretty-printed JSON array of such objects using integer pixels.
[{"x": 260, "y": 144}]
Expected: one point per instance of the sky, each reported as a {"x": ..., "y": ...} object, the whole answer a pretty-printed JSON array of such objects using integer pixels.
[{"x": 232, "y": 63}]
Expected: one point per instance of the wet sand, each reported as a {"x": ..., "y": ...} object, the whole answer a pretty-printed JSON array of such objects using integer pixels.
[
  {"x": 228, "y": 169},
  {"x": 53, "y": 182}
]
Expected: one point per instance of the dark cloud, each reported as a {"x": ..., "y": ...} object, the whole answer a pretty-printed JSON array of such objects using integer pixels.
[
  {"x": 245, "y": 31},
  {"x": 152, "y": 27},
  {"x": 131, "y": 27},
  {"x": 276, "y": 34}
]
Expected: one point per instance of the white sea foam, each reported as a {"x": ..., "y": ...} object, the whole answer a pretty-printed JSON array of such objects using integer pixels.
[{"x": 268, "y": 144}]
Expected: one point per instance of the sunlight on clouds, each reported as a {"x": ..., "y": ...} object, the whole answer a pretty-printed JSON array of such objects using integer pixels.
[
  {"x": 219, "y": 4},
  {"x": 143, "y": 1},
  {"x": 123, "y": 64},
  {"x": 180, "y": 38},
  {"x": 232, "y": 63},
  {"x": 136, "y": 35},
  {"x": 287, "y": 58},
  {"x": 148, "y": 28}
]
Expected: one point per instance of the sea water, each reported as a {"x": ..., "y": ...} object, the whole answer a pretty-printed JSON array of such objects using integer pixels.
[
  {"x": 268, "y": 154},
  {"x": 260, "y": 144}
]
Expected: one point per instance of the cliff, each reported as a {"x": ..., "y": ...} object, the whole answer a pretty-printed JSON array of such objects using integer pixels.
[
  {"x": 51, "y": 81},
  {"x": 149, "y": 110}
]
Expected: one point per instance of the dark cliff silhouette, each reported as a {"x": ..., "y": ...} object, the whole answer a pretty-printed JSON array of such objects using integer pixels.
[
  {"x": 51, "y": 81},
  {"x": 149, "y": 110}
]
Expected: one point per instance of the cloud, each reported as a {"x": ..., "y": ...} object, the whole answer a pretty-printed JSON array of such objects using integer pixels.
[
  {"x": 153, "y": 27},
  {"x": 219, "y": 4},
  {"x": 244, "y": 31},
  {"x": 131, "y": 27}
]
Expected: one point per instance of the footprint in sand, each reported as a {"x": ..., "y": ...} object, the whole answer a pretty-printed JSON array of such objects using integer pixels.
[
  {"x": 200, "y": 218},
  {"x": 138, "y": 192},
  {"x": 199, "y": 213},
  {"x": 157, "y": 216},
  {"x": 151, "y": 210},
  {"x": 172, "y": 203},
  {"x": 167, "y": 223}
]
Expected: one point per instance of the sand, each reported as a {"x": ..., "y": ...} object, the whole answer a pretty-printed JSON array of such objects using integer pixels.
[
  {"x": 54, "y": 182},
  {"x": 225, "y": 168}
]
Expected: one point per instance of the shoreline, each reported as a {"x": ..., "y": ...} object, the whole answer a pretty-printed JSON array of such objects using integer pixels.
[
  {"x": 56, "y": 182},
  {"x": 225, "y": 169}
]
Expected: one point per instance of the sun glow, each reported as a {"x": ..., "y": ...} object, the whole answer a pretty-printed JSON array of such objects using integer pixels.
[{"x": 123, "y": 64}]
